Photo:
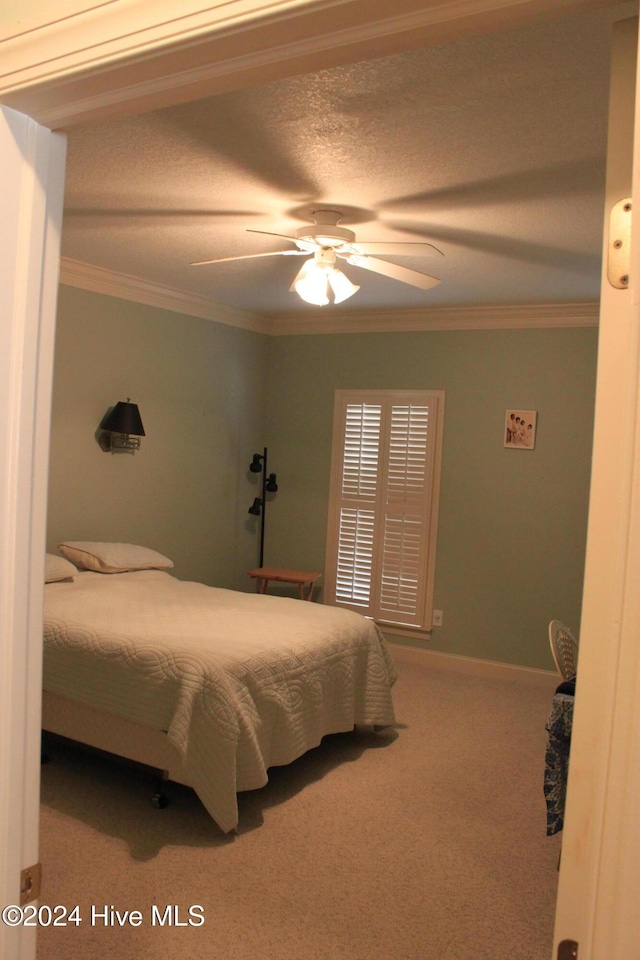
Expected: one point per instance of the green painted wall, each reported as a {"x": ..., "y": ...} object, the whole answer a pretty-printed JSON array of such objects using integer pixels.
[
  {"x": 200, "y": 387},
  {"x": 512, "y": 528}
]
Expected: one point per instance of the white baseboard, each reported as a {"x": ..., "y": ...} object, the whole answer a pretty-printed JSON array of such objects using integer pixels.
[{"x": 473, "y": 665}]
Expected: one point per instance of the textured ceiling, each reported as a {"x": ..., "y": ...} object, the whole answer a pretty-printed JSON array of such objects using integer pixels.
[{"x": 492, "y": 148}]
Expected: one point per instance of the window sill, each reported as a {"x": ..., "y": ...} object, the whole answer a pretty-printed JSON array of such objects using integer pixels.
[{"x": 404, "y": 630}]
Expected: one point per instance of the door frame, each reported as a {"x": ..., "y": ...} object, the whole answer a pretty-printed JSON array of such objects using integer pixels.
[
  {"x": 600, "y": 864},
  {"x": 31, "y": 188},
  {"x": 105, "y": 62}
]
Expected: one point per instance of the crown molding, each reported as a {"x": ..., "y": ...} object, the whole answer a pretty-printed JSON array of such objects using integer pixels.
[
  {"x": 73, "y": 273},
  {"x": 484, "y": 317}
]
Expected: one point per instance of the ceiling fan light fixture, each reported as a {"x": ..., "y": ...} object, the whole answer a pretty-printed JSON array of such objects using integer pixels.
[
  {"x": 319, "y": 276},
  {"x": 341, "y": 285},
  {"x": 311, "y": 284}
]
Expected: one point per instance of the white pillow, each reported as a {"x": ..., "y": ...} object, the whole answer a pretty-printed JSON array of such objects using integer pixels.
[
  {"x": 57, "y": 568},
  {"x": 112, "y": 557}
]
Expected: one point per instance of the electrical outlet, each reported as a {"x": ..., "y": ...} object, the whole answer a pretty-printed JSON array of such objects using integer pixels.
[{"x": 437, "y": 618}]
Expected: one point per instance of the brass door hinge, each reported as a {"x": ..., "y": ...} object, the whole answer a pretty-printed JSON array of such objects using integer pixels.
[
  {"x": 619, "y": 247},
  {"x": 568, "y": 950},
  {"x": 30, "y": 880}
]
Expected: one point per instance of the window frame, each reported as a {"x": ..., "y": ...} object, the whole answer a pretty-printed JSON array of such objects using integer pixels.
[{"x": 435, "y": 400}]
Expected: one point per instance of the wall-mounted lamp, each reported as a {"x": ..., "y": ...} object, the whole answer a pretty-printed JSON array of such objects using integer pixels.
[
  {"x": 269, "y": 485},
  {"x": 121, "y": 429}
]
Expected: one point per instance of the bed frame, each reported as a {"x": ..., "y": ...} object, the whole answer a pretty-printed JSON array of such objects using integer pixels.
[
  {"x": 134, "y": 741},
  {"x": 124, "y": 738}
]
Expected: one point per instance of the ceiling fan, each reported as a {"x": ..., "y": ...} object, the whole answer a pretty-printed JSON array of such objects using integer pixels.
[{"x": 327, "y": 242}]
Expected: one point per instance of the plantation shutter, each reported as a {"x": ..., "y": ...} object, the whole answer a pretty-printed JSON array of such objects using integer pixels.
[
  {"x": 405, "y": 509},
  {"x": 359, "y": 491},
  {"x": 380, "y": 527}
]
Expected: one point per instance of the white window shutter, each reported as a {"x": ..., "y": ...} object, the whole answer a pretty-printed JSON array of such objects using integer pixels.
[
  {"x": 405, "y": 524},
  {"x": 359, "y": 488},
  {"x": 354, "y": 574},
  {"x": 380, "y": 518}
]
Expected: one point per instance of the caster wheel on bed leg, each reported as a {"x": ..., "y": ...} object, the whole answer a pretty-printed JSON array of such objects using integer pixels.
[{"x": 160, "y": 801}]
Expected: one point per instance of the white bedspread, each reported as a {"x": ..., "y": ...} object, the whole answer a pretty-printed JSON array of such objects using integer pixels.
[{"x": 239, "y": 682}]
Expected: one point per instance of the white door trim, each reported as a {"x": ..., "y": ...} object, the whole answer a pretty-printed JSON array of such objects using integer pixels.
[
  {"x": 115, "y": 88},
  {"x": 600, "y": 866},
  {"x": 104, "y": 62},
  {"x": 31, "y": 191}
]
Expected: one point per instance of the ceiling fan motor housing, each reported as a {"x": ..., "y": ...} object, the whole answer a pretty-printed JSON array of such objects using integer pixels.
[{"x": 326, "y": 231}]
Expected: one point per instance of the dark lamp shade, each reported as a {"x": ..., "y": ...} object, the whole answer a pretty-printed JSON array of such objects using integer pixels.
[
  {"x": 271, "y": 484},
  {"x": 124, "y": 418}
]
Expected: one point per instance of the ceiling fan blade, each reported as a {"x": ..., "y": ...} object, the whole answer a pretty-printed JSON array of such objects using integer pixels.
[
  {"x": 399, "y": 249},
  {"x": 510, "y": 247},
  {"x": 393, "y": 270},
  {"x": 253, "y": 256},
  {"x": 268, "y": 233}
]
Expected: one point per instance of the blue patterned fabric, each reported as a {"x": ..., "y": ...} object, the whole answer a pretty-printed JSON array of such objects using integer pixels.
[{"x": 558, "y": 727}]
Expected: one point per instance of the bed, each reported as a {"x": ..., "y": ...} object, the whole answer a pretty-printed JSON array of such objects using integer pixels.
[{"x": 212, "y": 686}]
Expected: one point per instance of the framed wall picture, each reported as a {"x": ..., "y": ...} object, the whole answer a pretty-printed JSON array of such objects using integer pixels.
[{"x": 520, "y": 429}]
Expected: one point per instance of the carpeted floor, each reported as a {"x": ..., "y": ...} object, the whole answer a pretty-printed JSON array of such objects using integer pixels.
[{"x": 423, "y": 843}]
